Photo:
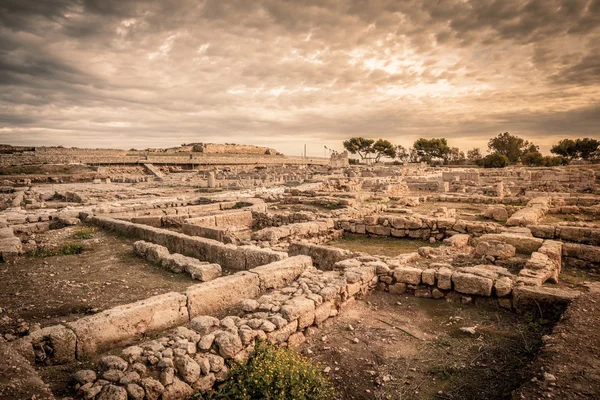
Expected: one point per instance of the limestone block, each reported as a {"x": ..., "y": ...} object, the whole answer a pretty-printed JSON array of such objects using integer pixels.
[
  {"x": 281, "y": 273},
  {"x": 124, "y": 322},
  {"x": 460, "y": 240},
  {"x": 496, "y": 249},
  {"x": 62, "y": 340},
  {"x": 219, "y": 294},
  {"x": 408, "y": 275},
  {"x": 444, "y": 278},
  {"x": 472, "y": 284}
]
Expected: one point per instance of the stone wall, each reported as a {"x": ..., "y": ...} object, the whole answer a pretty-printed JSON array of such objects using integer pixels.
[
  {"x": 321, "y": 230},
  {"x": 228, "y": 256},
  {"x": 230, "y": 148},
  {"x": 196, "y": 356},
  {"x": 90, "y": 334},
  {"x": 577, "y": 234},
  {"x": 415, "y": 226},
  {"x": 177, "y": 263}
]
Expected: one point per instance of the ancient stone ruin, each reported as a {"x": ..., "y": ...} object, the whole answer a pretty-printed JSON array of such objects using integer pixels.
[{"x": 146, "y": 275}]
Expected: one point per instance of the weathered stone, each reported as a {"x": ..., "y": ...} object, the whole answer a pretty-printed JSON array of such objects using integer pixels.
[
  {"x": 408, "y": 275},
  {"x": 459, "y": 240},
  {"x": 503, "y": 286},
  {"x": 112, "y": 392},
  {"x": 84, "y": 376},
  {"x": 428, "y": 276},
  {"x": 112, "y": 362},
  {"x": 204, "y": 324},
  {"x": 495, "y": 249},
  {"x": 228, "y": 344},
  {"x": 153, "y": 388},
  {"x": 177, "y": 390},
  {"x": 135, "y": 392},
  {"x": 188, "y": 369},
  {"x": 444, "y": 278},
  {"x": 472, "y": 284}
]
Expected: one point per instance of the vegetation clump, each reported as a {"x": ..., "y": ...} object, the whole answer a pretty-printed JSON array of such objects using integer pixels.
[
  {"x": 65, "y": 250},
  {"x": 495, "y": 160},
  {"x": 274, "y": 373},
  {"x": 84, "y": 233}
]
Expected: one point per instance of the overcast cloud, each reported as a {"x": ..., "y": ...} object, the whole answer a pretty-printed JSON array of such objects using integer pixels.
[{"x": 150, "y": 73}]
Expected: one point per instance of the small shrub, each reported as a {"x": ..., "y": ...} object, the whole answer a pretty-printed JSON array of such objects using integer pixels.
[
  {"x": 66, "y": 250},
  {"x": 241, "y": 204},
  {"x": 495, "y": 160},
  {"x": 274, "y": 373},
  {"x": 84, "y": 233}
]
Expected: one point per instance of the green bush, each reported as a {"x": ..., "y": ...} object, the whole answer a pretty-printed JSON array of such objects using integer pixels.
[
  {"x": 495, "y": 160},
  {"x": 533, "y": 159},
  {"x": 274, "y": 373}
]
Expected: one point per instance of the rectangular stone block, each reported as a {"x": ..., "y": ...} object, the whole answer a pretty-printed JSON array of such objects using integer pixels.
[
  {"x": 221, "y": 294},
  {"x": 98, "y": 332}
]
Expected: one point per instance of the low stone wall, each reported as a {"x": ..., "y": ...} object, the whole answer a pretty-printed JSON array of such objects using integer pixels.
[
  {"x": 198, "y": 270},
  {"x": 535, "y": 210},
  {"x": 223, "y": 235},
  {"x": 577, "y": 234},
  {"x": 581, "y": 256},
  {"x": 228, "y": 256},
  {"x": 415, "y": 226},
  {"x": 195, "y": 357},
  {"x": 320, "y": 229},
  {"x": 97, "y": 332},
  {"x": 324, "y": 257},
  {"x": 269, "y": 219}
]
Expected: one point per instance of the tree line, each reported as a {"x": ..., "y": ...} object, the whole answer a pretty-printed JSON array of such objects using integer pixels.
[{"x": 504, "y": 149}]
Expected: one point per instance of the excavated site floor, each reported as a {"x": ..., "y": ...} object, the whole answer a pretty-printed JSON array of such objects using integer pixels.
[
  {"x": 413, "y": 348},
  {"x": 379, "y": 245},
  {"x": 55, "y": 289}
]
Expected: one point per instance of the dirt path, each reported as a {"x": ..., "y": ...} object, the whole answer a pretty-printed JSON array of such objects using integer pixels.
[{"x": 402, "y": 347}]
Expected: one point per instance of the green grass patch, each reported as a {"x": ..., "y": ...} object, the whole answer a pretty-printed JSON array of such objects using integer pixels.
[
  {"x": 274, "y": 373},
  {"x": 84, "y": 233},
  {"x": 65, "y": 250}
]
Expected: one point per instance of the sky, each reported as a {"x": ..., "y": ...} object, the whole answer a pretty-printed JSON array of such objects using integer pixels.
[{"x": 151, "y": 73}]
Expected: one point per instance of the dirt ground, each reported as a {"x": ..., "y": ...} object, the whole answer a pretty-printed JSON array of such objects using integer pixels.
[
  {"x": 379, "y": 245},
  {"x": 571, "y": 356},
  {"x": 403, "y": 347},
  {"x": 51, "y": 290}
]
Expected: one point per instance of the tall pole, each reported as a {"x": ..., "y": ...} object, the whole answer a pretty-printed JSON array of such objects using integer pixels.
[{"x": 305, "y": 151}]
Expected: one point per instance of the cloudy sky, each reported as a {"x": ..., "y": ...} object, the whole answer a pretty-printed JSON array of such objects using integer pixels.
[{"x": 284, "y": 73}]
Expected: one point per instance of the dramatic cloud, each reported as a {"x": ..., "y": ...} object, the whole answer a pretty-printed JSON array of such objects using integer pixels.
[{"x": 284, "y": 73}]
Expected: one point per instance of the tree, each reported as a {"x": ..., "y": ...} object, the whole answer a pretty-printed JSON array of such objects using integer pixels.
[
  {"x": 429, "y": 149},
  {"x": 586, "y": 147},
  {"x": 533, "y": 159},
  {"x": 402, "y": 153},
  {"x": 383, "y": 148},
  {"x": 455, "y": 156},
  {"x": 513, "y": 147},
  {"x": 474, "y": 155},
  {"x": 495, "y": 160},
  {"x": 359, "y": 145},
  {"x": 566, "y": 148}
]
